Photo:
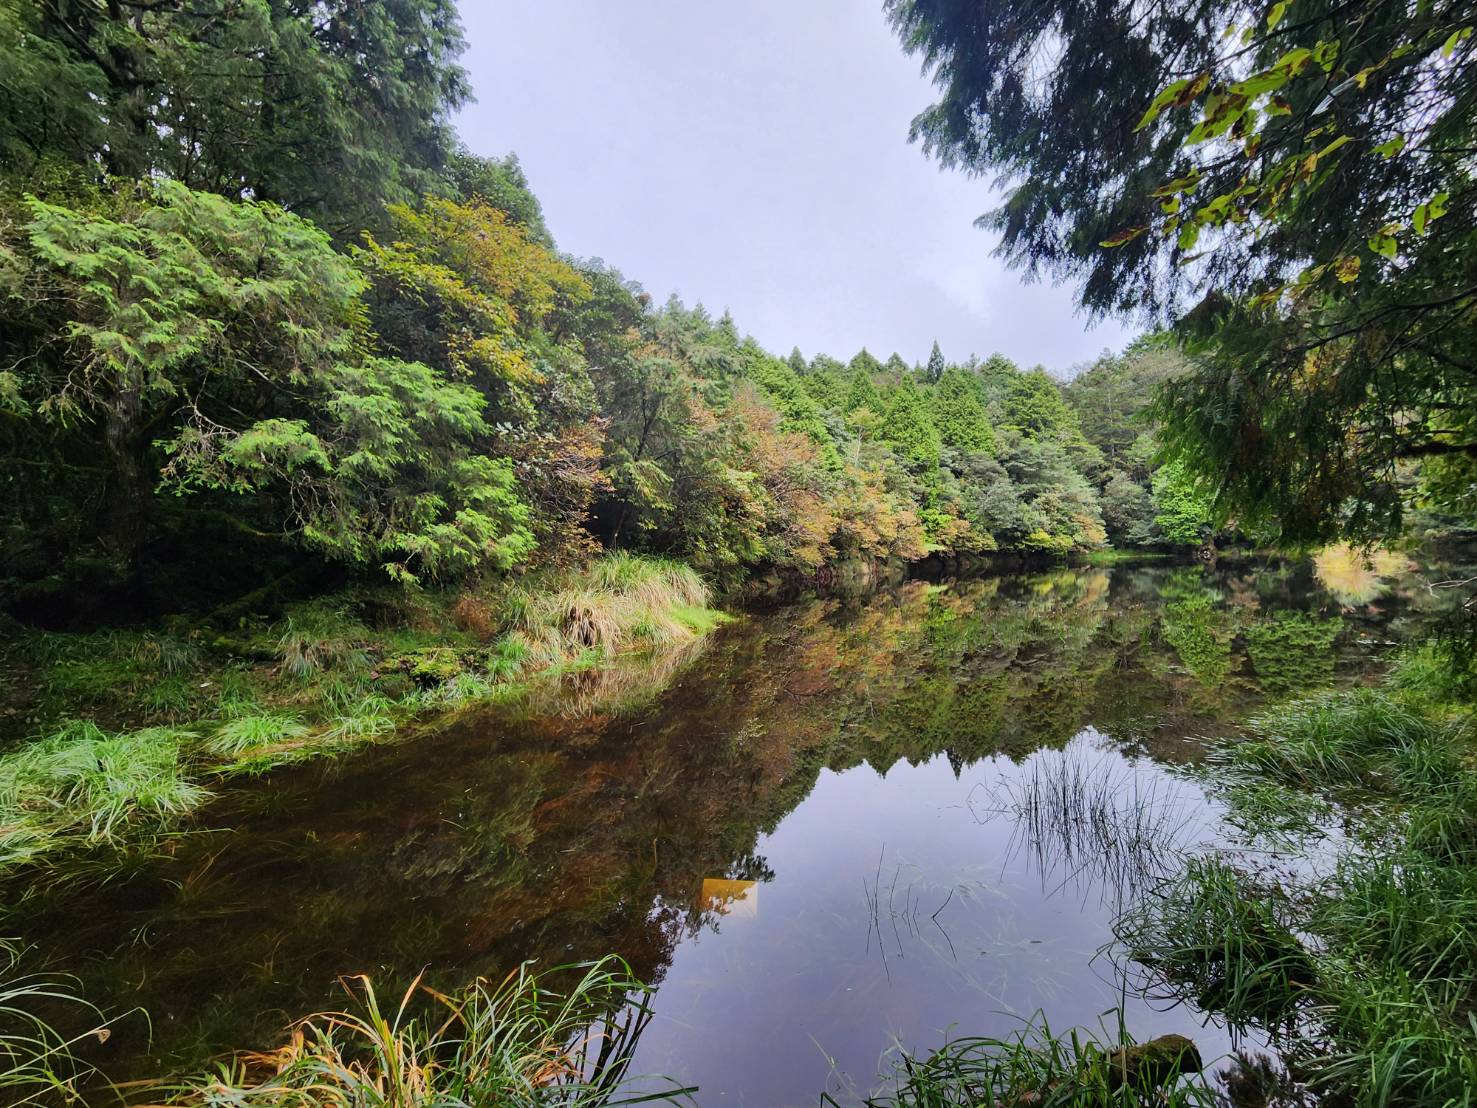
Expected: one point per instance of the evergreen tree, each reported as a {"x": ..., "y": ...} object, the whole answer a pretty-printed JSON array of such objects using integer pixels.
[
  {"x": 959, "y": 415},
  {"x": 935, "y": 368},
  {"x": 1113, "y": 395},
  {"x": 1319, "y": 173},
  {"x": 909, "y": 427},
  {"x": 786, "y": 391},
  {"x": 862, "y": 397},
  {"x": 1034, "y": 405},
  {"x": 865, "y": 363},
  {"x": 501, "y": 183},
  {"x": 330, "y": 110},
  {"x": 215, "y": 349}
]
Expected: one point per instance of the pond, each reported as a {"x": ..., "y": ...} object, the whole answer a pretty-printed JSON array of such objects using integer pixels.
[{"x": 842, "y": 825}]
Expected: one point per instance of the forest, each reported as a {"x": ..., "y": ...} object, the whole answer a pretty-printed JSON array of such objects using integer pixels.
[{"x": 311, "y": 436}]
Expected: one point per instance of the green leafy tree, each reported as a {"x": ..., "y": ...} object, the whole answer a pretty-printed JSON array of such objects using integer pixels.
[
  {"x": 1034, "y": 406},
  {"x": 207, "y": 346},
  {"x": 1128, "y": 511},
  {"x": 502, "y": 184},
  {"x": 328, "y": 109},
  {"x": 786, "y": 392},
  {"x": 1184, "y": 508},
  {"x": 862, "y": 396},
  {"x": 1112, "y": 396},
  {"x": 1311, "y": 158},
  {"x": 865, "y": 363},
  {"x": 474, "y": 294},
  {"x": 909, "y": 426},
  {"x": 1059, "y": 508}
]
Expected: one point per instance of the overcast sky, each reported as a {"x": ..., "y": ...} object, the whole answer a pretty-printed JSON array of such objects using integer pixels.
[{"x": 753, "y": 155}]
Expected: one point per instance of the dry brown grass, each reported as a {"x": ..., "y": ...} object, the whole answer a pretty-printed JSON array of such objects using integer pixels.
[{"x": 472, "y": 614}]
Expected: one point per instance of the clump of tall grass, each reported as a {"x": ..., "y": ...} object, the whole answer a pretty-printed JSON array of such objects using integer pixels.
[
  {"x": 1439, "y": 673},
  {"x": 317, "y": 638},
  {"x": 366, "y": 719},
  {"x": 1337, "y": 738},
  {"x": 81, "y": 781},
  {"x": 1213, "y": 934},
  {"x": 519, "y": 1042},
  {"x": 617, "y": 601},
  {"x": 255, "y": 729},
  {"x": 1037, "y": 1068}
]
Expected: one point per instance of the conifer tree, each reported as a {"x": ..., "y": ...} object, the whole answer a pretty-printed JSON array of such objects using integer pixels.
[
  {"x": 909, "y": 427},
  {"x": 960, "y": 416},
  {"x": 865, "y": 363},
  {"x": 935, "y": 368},
  {"x": 861, "y": 393}
]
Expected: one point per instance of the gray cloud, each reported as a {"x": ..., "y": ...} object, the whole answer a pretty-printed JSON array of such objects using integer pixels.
[{"x": 753, "y": 156}]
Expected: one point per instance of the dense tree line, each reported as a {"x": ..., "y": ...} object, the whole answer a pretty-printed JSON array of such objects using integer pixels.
[{"x": 257, "y": 309}]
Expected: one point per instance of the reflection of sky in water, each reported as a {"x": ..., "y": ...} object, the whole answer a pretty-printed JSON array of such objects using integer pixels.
[{"x": 901, "y": 911}]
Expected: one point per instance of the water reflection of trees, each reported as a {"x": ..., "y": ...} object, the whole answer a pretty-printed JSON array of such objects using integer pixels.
[{"x": 561, "y": 836}]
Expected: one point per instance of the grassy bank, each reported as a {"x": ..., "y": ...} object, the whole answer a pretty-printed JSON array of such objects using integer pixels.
[
  {"x": 123, "y": 734},
  {"x": 561, "y": 1037},
  {"x": 1364, "y": 976}
]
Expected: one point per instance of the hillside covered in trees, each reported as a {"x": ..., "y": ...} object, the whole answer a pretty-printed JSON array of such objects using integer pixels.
[{"x": 261, "y": 314}]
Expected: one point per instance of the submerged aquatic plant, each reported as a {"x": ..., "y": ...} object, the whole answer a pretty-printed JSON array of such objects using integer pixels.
[
  {"x": 518, "y": 1043},
  {"x": 37, "y": 1063},
  {"x": 1100, "y": 822}
]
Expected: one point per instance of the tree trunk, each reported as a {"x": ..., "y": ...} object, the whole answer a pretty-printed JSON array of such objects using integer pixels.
[{"x": 126, "y": 514}]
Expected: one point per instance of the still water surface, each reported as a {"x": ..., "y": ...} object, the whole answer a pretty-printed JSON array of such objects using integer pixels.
[{"x": 840, "y": 825}]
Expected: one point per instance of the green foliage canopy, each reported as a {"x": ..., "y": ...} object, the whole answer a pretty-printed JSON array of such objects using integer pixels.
[
  {"x": 1290, "y": 183},
  {"x": 328, "y": 109},
  {"x": 201, "y": 344}
]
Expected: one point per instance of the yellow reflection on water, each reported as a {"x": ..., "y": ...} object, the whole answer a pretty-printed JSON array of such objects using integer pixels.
[
  {"x": 739, "y": 899},
  {"x": 1355, "y": 575}
]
